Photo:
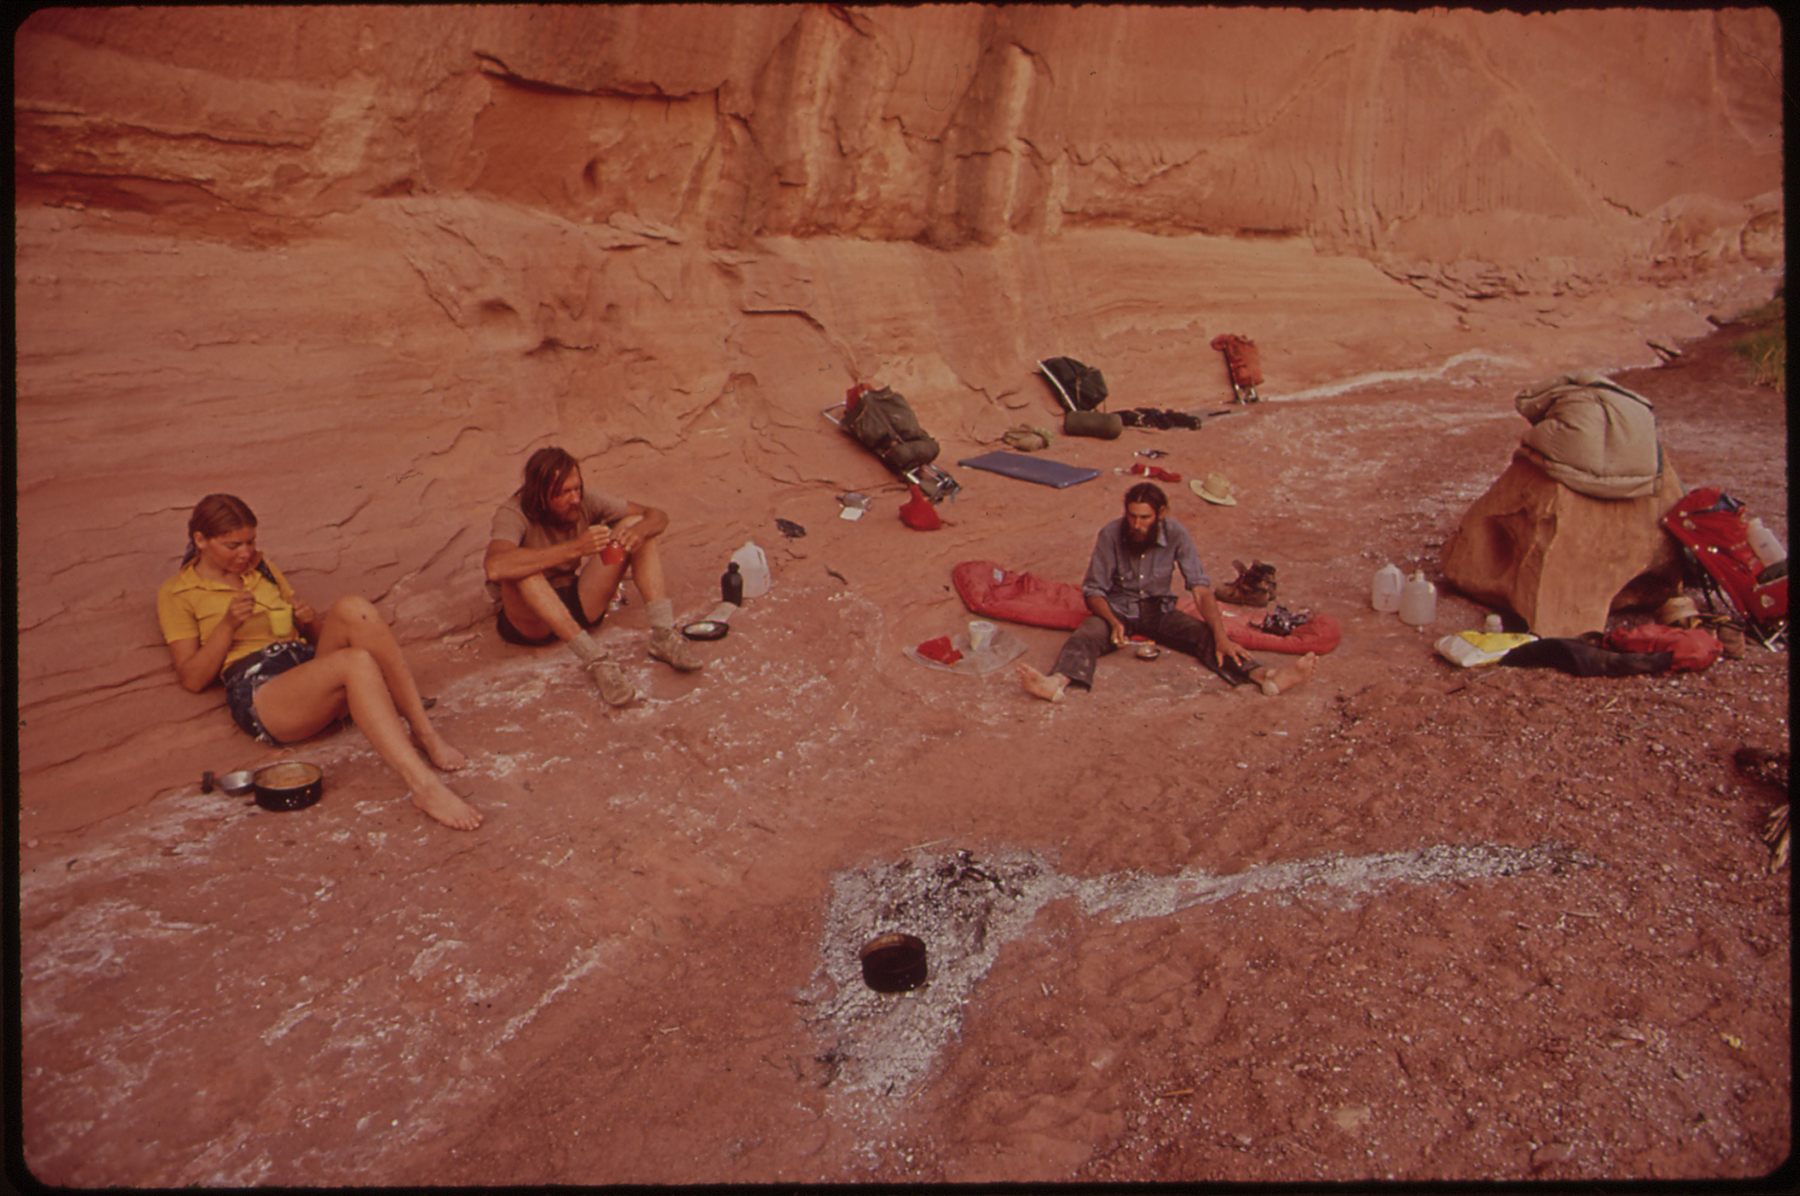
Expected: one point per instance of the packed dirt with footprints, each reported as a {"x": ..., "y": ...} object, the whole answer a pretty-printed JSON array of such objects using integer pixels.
[{"x": 1404, "y": 921}]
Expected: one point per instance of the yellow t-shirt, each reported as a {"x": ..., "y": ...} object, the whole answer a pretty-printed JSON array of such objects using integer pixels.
[{"x": 189, "y": 606}]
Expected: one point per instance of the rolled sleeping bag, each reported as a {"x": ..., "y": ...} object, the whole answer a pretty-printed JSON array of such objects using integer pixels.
[{"x": 1103, "y": 425}]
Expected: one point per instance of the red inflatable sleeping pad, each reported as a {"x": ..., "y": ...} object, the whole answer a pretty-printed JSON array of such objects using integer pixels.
[{"x": 996, "y": 593}]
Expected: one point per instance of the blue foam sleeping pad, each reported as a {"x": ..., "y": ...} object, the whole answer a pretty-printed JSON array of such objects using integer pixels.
[{"x": 1032, "y": 469}]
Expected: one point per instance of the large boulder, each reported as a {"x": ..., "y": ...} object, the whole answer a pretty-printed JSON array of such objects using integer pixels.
[{"x": 1559, "y": 559}]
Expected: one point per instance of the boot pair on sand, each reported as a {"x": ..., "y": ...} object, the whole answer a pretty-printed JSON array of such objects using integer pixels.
[
  {"x": 1254, "y": 586},
  {"x": 666, "y": 645}
]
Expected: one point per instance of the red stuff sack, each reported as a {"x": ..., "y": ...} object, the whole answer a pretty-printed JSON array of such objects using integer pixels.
[
  {"x": 918, "y": 513},
  {"x": 1694, "y": 648}
]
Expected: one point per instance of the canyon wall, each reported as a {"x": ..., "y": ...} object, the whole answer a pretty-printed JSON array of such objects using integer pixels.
[
  {"x": 1445, "y": 135},
  {"x": 355, "y": 263}
]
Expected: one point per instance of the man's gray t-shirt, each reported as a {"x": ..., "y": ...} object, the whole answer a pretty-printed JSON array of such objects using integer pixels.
[{"x": 511, "y": 525}]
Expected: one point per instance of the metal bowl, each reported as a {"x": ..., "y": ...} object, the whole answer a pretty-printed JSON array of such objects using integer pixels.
[{"x": 237, "y": 783}]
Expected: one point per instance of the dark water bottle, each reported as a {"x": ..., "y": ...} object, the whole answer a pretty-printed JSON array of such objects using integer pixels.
[{"x": 731, "y": 586}]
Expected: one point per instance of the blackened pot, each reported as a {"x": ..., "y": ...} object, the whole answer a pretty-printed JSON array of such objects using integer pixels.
[{"x": 289, "y": 785}]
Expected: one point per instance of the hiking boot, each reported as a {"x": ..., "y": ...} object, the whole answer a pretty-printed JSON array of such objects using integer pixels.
[
  {"x": 1254, "y": 586},
  {"x": 667, "y": 646},
  {"x": 611, "y": 679}
]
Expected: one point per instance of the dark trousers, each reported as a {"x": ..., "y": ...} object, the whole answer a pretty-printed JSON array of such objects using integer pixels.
[{"x": 1167, "y": 626}]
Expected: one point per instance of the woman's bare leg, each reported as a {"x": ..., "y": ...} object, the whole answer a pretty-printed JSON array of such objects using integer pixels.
[
  {"x": 304, "y": 700},
  {"x": 353, "y": 621}
]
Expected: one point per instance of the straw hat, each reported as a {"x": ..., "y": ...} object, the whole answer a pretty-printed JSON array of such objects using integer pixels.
[
  {"x": 1676, "y": 609},
  {"x": 1215, "y": 489}
]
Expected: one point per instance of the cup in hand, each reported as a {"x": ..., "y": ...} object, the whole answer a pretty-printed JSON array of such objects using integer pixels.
[{"x": 281, "y": 622}]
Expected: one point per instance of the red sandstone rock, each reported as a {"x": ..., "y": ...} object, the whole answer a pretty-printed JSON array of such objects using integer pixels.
[{"x": 1559, "y": 559}]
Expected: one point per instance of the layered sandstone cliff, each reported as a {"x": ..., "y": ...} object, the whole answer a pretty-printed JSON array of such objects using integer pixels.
[
  {"x": 354, "y": 263},
  {"x": 1445, "y": 135}
]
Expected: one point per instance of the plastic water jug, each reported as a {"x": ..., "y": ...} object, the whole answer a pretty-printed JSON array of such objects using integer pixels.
[
  {"x": 1384, "y": 592},
  {"x": 1418, "y": 601},
  {"x": 1763, "y": 543},
  {"x": 755, "y": 567}
]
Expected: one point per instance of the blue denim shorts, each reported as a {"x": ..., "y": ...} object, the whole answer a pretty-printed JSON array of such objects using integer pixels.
[{"x": 244, "y": 677}]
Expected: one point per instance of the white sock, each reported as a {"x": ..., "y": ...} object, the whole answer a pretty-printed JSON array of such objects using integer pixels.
[
  {"x": 585, "y": 649},
  {"x": 662, "y": 614}
]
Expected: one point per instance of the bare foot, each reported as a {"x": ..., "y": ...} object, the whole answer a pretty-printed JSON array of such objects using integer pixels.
[
  {"x": 1282, "y": 680},
  {"x": 442, "y": 754},
  {"x": 1039, "y": 686},
  {"x": 449, "y": 809}
]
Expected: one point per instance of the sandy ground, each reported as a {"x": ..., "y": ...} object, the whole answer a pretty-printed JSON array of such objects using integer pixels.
[{"x": 1405, "y": 921}]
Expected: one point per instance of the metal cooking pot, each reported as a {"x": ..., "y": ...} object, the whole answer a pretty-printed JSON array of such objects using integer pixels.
[
  {"x": 289, "y": 785},
  {"x": 893, "y": 963}
]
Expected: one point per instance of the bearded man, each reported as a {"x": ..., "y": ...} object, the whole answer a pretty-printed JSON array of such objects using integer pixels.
[
  {"x": 556, "y": 556},
  {"x": 1127, "y": 590}
]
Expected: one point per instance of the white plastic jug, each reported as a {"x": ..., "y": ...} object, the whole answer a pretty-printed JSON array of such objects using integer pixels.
[
  {"x": 1418, "y": 601},
  {"x": 1763, "y": 543},
  {"x": 1384, "y": 591},
  {"x": 755, "y": 568}
]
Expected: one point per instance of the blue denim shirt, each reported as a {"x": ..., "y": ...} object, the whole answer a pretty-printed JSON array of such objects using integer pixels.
[{"x": 1125, "y": 579}]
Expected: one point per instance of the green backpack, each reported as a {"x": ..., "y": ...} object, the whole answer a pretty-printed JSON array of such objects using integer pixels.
[{"x": 884, "y": 422}]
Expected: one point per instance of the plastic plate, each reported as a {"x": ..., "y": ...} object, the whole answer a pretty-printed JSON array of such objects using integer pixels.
[{"x": 706, "y": 629}]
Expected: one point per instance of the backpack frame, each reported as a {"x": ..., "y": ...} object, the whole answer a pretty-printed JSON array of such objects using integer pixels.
[
  {"x": 1078, "y": 387},
  {"x": 1713, "y": 529},
  {"x": 882, "y": 421}
]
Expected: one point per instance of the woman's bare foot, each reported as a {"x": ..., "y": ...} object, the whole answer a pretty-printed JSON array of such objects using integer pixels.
[
  {"x": 1039, "y": 686},
  {"x": 443, "y": 805},
  {"x": 441, "y": 753},
  {"x": 1277, "y": 681}
]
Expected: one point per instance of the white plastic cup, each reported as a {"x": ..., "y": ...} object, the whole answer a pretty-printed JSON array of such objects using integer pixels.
[{"x": 981, "y": 635}]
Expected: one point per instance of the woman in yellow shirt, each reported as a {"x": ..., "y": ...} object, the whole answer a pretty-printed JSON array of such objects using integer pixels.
[{"x": 288, "y": 672}]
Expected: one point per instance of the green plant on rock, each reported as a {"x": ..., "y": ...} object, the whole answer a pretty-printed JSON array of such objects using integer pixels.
[{"x": 1765, "y": 345}]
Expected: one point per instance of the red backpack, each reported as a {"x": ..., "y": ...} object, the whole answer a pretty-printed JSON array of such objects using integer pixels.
[
  {"x": 1715, "y": 530},
  {"x": 1244, "y": 362}
]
